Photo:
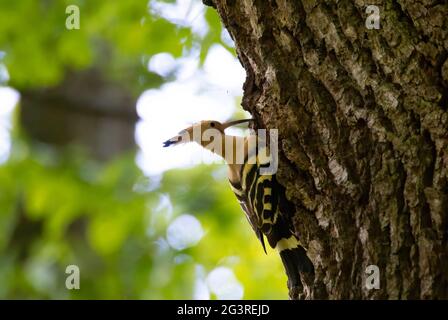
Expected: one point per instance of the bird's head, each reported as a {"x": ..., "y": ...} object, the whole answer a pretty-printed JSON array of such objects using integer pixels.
[{"x": 202, "y": 132}]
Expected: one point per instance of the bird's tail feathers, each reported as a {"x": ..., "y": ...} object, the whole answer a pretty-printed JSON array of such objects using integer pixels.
[{"x": 294, "y": 259}]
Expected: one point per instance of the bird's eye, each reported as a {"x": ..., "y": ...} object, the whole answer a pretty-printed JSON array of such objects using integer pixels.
[{"x": 212, "y": 124}]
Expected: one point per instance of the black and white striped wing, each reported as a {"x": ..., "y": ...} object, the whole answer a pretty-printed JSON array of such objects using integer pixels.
[
  {"x": 248, "y": 210},
  {"x": 258, "y": 195}
]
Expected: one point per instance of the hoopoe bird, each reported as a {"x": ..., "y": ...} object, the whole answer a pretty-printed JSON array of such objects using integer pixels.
[{"x": 261, "y": 197}]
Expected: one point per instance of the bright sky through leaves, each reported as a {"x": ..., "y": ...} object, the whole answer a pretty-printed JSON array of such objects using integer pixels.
[
  {"x": 208, "y": 94},
  {"x": 163, "y": 232}
]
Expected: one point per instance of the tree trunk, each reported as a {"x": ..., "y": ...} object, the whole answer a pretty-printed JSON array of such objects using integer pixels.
[{"x": 363, "y": 133}]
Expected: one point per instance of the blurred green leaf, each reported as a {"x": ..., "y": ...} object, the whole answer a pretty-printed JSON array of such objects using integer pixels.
[{"x": 59, "y": 207}]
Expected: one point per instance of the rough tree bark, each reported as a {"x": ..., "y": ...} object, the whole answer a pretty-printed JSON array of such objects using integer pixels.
[{"x": 363, "y": 130}]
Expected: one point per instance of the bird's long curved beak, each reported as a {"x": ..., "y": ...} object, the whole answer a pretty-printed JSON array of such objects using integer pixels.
[
  {"x": 184, "y": 136},
  {"x": 171, "y": 141},
  {"x": 174, "y": 140},
  {"x": 235, "y": 122}
]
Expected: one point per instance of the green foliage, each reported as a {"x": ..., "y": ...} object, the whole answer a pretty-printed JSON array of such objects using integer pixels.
[
  {"x": 59, "y": 208},
  {"x": 61, "y": 212},
  {"x": 112, "y": 34}
]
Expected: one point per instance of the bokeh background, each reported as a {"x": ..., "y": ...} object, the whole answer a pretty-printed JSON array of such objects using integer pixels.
[{"x": 84, "y": 179}]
